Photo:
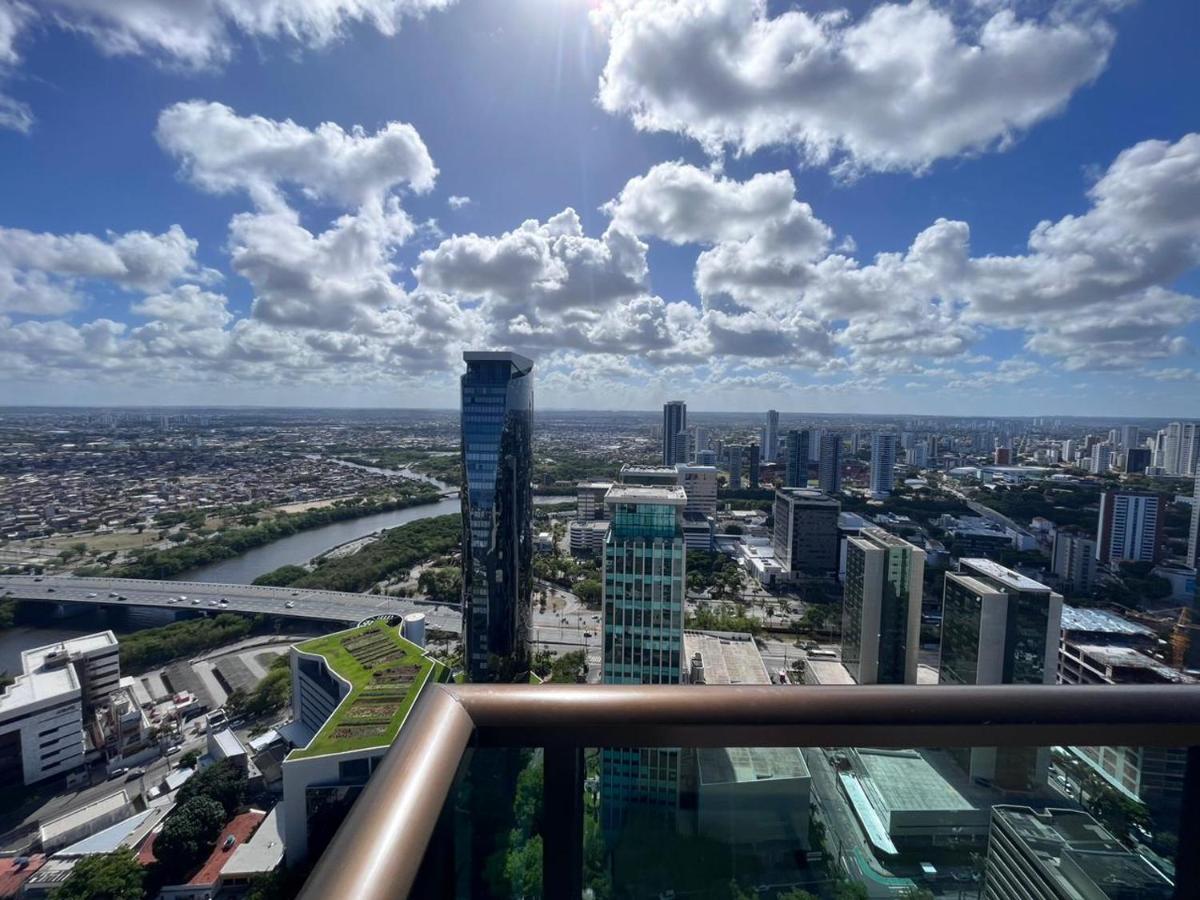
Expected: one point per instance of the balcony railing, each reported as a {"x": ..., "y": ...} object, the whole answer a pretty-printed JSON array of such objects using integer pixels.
[{"x": 380, "y": 850}]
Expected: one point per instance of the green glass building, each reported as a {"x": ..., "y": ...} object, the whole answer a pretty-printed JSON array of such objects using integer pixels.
[
  {"x": 881, "y": 608},
  {"x": 645, "y": 573}
]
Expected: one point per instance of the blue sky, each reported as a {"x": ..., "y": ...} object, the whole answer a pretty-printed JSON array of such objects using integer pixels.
[{"x": 177, "y": 224}]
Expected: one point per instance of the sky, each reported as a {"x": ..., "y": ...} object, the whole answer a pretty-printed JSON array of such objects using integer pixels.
[{"x": 949, "y": 207}]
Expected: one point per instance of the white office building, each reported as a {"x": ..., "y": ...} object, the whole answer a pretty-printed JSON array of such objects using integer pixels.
[{"x": 42, "y": 711}]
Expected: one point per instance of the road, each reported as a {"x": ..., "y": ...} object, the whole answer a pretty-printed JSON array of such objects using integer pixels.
[{"x": 332, "y": 606}]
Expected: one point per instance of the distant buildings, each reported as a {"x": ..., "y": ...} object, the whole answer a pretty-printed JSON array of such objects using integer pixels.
[
  {"x": 796, "y": 461},
  {"x": 700, "y": 485},
  {"x": 644, "y": 584},
  {"x": 42, "y": 713},
  {"x": 881, "y": 608},
  {"x": 1138, "y": 460},
  {"x": 1130, "y": 527},
  {"x": 674, "y": 425},
  {"x": 753, "y": 452},
  {"x": 589, "y": 500},
  {"x": 1074, "y": 561},
  {"x": 883, "y": 462},
  {"x": 999, "y": 627},
  {"x": 830, "y": 466},
  {"x": 1062, "y": 853},
  {"x": 735, "y": 467},
  {"x": 805, "y": 536},
  {"x": 497, "y": 511}
]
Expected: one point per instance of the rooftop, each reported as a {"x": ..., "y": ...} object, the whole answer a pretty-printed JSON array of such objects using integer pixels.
[
  {"x": 77, "y": 818},
  {"x": 1128, "y": 658},
  {"x": 903, "y": 780},
  {"x": 386, "y": 674},
  {"x": 12, "y": 875},
  {"x": 883, "y": 538},
  {"x": 742, "y": 765},
  {"x": 727, "y": 659},
  {"x": 40, "y": 681},
  {"x": 240, "y": 828},
  {"x": 1003, "y": 574},
  {"x": 263, "y": 852},
  {"x": 1071, "y": 844},
  {"x": 1100, "y": 621},
  {"x": 126, "y": 833},
  {"x": 807, "y": 495},
  {"x": 523, "y": 363},
  {"x": 644, "y": 493}
]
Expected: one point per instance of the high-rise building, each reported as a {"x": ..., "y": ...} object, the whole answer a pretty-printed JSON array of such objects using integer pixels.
[
  {"x": 830, "y": 468},
  {"x": 1137, "y": 459},
  {"x": 674, "y": 422},
  {"x": 1130, "y": 527},
  {"x": 881, "y": 608},
  {"x": 999, "y": 627},
  {"x": 796, "y": 470},
  {"x": 1173, "y": 448},
  {"x": 883, "y": 462},
  {"x": 1101, "y": 457},
  {"x": 805, "y": 535},
  {"x": 1189, "y": 449},
  {"x": 1068, "y": 452},
  {"x": 770, "y": 444},
  {"x": 753, "y": 453},
  {"x": 589, "y": 500},
  {"x": 1130, "y": 435},
  {"x": 700, "y": 485},
  {"x": 497, "y": 513},
  {"x": 1062, "y": 853},
  {"x": 699, "y": 441},
  {"x": 645, "y": 575},
  {"x": 814, "y": 444},
  {"x": 735, "y": 466},
  {"x": 1193, "y": 553},
  {"x": 1074, "y": 561}
]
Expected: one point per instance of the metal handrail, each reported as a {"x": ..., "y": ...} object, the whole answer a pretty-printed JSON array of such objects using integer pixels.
[{"x": 378, "y": 850}]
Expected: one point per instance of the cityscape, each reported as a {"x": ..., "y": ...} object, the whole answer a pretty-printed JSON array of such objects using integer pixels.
[
  {"x": 776, "y": 549},
  {"x": 599, "y": 450}
]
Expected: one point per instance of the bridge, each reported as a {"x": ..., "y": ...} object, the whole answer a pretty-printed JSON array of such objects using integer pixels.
[{"x": 330, "y": 606}]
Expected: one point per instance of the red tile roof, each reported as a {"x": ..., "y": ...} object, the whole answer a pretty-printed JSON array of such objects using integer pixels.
[
  {"x": 146, "y": 852},
  {"x": 11, "y": 877},
  {"x": 241, "y": 828}
]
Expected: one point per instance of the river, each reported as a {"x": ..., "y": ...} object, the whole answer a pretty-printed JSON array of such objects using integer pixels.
[{"x": 297, "y": 549}]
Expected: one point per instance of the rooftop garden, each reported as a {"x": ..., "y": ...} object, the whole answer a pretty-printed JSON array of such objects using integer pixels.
[{"x": 386, "y": 674}]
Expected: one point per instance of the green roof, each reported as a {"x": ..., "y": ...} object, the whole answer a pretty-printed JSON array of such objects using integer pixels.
[{"x": 386, "y": 674}]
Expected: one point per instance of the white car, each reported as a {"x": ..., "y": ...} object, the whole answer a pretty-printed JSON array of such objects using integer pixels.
[
  {"x": 195, "y": 601},
  {"x": 291, "y": 604},
  {"x": 183, "y": 596},
  {"x": 91, "y": 596}
]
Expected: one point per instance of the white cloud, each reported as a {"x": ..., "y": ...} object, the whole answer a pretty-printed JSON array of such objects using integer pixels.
[
  {"x": 897, "y": 89},
  {"x": 202, "y": 33},
  {"x": 457, "y": 201},
  {"x": 222, "y": 151},
  {"x": 40, "y": 273},
  {"x": 188, "y": 306}
]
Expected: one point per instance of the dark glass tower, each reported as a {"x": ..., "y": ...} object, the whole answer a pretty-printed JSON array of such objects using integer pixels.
[{"x": 497, "y": 503}]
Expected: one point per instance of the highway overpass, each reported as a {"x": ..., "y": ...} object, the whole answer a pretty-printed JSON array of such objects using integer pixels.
[{"x": 330, "y": 606}]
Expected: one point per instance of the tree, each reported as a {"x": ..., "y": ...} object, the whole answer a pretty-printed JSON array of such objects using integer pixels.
[
  {"x": 106, "y": 876},
  {"x": 568, "y": 668},
  {"x": 850, "y": 890},
  {"x": 189, "y": 759},
  {"x": 589, "y": 591},
  {"x": 443, "y": 585},
  {"x": 796, "y": 894},
  {"x": 188, "y": 834},
  {"x": 222, "y": 782}
]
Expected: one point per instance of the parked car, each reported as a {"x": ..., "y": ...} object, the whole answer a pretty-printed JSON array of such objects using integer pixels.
[
  {"x": 228, "y": 842},
  {"x": 118, "y": 772}
]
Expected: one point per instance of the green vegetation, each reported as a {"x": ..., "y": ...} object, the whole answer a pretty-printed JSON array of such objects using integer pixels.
[
  {"x": 725, "y": 617},
  {"x": 446, "y": 467},
  {"x": 156, "y": 646},
  {"x": 386, "y": 674},
  {"x": 566, "y": 669},
  {"x": 565, "y": 571},
  {"x": 188, "y": 834},
  {"x": 398, "y": 550},
  {"x": 105, "y": 876},
  {"x": 189, "y": 759},
  {"x": 442, "y": 584},
  {"x": 1066, "y": 507},
  {"x": 281, "y": 577},
  {"x": 156, "y": 564},
  {"x": 272, "y": 693}
]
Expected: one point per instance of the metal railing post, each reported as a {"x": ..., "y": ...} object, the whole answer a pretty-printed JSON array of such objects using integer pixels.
[{"x": 562, "y": 823}]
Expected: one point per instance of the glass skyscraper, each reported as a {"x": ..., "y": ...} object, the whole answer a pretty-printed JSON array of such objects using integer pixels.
[
  {"x": 497, "y": 503},
  {"x": 644, "y": 580},
  {"x": 881, "y": 608}
]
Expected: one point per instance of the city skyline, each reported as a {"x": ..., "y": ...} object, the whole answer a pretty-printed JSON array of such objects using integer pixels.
[{"x": 258, "y": 205}]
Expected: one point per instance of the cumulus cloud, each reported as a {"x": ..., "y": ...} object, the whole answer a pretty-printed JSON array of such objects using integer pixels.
[
  {"x": 222, "y": 152},
  {"x": 188, "y": 306},
  {"x": 457, "y": 201},
  {"x": 900, "y": 87},
  {"x": 40, "y": 273}
]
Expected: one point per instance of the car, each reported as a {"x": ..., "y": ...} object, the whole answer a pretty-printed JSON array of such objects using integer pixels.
[
  {"x": 195, "y": 601},
  {"x": 118, "y": 772},
  {"x": 112, "y": 593},
  {"x": 228, "y": 842},
  {"x": 295, "y": 593},
  {"x": 183, "y": 596},
  {"x": 50, "y": 588},
  {"x": 587, "y": 634},
  {"x": 171, "y": 751},
  {"x": 291, "y": 604},
  {"x": 135, "y": 773},
  {"x": 213, "y": 602},
  {"x": 122, "y": 597},
  {"x": 91, "y": 596},
  {"x": 37, "y": 578}
]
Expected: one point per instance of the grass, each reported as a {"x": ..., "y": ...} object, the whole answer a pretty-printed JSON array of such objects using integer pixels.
[{"x": 377, "y": 730}]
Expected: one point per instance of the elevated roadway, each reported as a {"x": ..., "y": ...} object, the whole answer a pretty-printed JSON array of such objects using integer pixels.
[{"x": 298, "y": 603}]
